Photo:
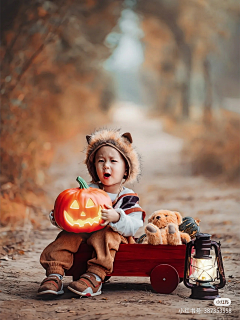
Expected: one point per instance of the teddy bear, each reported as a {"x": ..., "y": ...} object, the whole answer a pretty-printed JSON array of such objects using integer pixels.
[{"x": 162, "y": 228}]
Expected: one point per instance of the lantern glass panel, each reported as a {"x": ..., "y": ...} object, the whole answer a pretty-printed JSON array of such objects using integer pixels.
[{"x": 203, "y": 270}]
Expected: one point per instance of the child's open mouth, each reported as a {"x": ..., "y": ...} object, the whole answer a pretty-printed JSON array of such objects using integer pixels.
[{"x": 106, "y": 175}]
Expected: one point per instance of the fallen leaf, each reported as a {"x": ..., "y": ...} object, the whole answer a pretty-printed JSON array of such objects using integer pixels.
[
  {"x": 227, "y": 222},
  {"x": 61, "y": 311},
  {"x": 4, "y": 258}
]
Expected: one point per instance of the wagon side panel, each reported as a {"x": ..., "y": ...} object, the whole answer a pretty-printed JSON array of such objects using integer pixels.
[
  {"x": 140, "y": 260},
  {"x": 133, "y": 259}
]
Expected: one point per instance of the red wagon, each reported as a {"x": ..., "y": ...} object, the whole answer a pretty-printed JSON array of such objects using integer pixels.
[{"x": 164, "y": 264}]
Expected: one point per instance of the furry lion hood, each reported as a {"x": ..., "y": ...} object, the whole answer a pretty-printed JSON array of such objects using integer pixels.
[{"x": 122, "y": 142}]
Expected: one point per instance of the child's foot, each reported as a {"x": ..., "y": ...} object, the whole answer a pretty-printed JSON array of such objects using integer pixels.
[
  {"x": 87, "y": 285},
  {"x": 51, "y": 286}
]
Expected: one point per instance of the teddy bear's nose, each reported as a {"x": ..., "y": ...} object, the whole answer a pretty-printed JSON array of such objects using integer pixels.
[{"x": 158, "y": 217}]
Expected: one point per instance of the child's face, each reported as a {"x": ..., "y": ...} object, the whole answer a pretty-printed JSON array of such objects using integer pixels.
[{"x": 110, "y": 166}]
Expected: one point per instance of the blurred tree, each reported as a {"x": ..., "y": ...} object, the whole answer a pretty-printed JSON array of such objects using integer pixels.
[
  {"x": 52, "y": 83},
  {"x": 168, "y": 13},
  {"x": 207, "y": 114},
  {"x": 198, "y": 28}
]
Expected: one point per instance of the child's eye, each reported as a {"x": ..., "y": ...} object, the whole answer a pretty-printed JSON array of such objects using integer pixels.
[
  {"x": 114, "y": 160},
  {"x": 100, "y": 160}
]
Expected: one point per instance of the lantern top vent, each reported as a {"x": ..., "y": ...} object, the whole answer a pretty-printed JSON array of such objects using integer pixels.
[{"x": 203, "y": 236}]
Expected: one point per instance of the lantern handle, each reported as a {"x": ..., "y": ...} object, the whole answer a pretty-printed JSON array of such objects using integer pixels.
[
  {"x": 220, "y": 265},
  {"x": 190, "y": 244}
]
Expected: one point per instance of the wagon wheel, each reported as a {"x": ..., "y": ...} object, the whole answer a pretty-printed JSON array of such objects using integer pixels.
[{"x": 164, "y": 278}]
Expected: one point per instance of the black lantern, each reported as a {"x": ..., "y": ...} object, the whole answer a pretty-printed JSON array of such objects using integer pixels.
[{"x": 204, "y": 273}]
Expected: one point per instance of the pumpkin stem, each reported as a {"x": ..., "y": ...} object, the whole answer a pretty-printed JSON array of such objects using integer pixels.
[{"x": 82, "y": 182}]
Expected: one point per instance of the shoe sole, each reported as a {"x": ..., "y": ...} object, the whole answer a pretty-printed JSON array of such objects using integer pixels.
[
  {"x": 85, "y": 294},
  {"x": 50, "y": 293}
]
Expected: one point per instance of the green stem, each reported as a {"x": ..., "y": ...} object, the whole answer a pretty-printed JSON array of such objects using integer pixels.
[{"x": 82, "y": 182}]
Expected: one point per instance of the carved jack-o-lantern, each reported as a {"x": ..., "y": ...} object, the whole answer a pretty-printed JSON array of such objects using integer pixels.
[{"x": 79, "y": 209}]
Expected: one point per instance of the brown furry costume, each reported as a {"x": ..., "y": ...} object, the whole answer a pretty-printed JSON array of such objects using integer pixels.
[
  {"x": 58, "y": 256},
  {"x": 122, "y": 143}
]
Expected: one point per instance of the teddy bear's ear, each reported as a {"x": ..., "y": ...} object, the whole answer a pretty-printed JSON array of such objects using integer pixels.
[
  {"x": 151, "y": 217},
  {"x": 179, "y": 217}
]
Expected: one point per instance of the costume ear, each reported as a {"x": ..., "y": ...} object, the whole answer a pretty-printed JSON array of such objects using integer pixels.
[
  {"x": 88, "y": 137},
  {"x": 179, "y": 217},
  {"x": 128, "y": 136}
]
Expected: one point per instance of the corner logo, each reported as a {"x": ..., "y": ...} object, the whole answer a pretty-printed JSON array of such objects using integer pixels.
[{"x": 222, "y": 302}]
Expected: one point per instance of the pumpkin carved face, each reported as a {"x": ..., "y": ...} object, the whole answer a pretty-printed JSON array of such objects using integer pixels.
[{"x": 79, "y": 209}]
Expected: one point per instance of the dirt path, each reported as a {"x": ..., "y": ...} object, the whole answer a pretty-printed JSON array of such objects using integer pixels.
[{"x": 165, "y": 183}]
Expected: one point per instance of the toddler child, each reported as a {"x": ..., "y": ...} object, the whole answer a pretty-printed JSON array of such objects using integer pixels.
[{"x": 111, "y": 160}]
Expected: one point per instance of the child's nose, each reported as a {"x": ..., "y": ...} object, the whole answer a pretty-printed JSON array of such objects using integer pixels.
[{"x": 106, "y": 165}]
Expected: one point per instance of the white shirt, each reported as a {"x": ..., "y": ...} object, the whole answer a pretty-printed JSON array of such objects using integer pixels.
[{"x": 128, "y": 224}]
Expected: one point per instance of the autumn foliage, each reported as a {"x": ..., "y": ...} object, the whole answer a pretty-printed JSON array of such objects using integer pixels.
[
  {"x": 52, "y": 86},
  {"x": 212, "y": 149},
  {"x": 215, "y": 151}
]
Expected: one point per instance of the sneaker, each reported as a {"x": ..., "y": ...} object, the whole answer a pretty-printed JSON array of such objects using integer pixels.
[
  {"x": 87, "y": 285},
  {"x": 51, "y": 286}
]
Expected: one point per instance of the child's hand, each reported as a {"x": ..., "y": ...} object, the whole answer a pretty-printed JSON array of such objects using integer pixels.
[{"x": 110, "y": 215}]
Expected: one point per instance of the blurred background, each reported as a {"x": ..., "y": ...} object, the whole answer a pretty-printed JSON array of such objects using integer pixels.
[{"x": 69, "y": 67}]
